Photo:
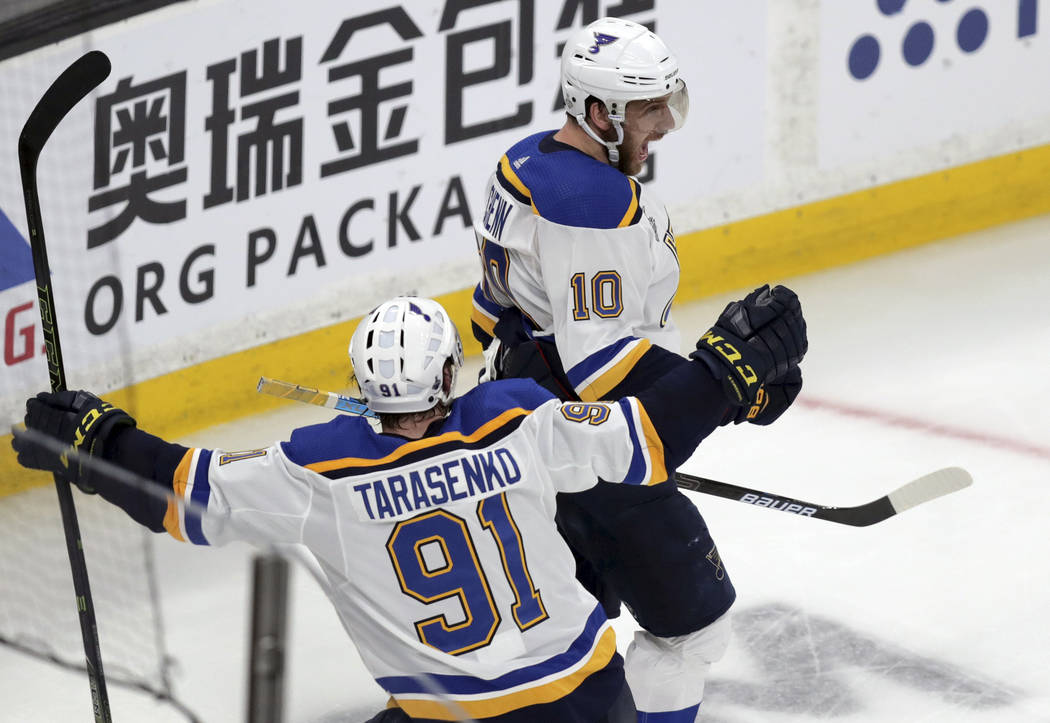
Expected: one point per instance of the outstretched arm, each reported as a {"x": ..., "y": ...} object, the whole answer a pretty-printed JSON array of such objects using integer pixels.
[
  {"x": 94, "y": 427},
  {"x": 268, "y": 493}
]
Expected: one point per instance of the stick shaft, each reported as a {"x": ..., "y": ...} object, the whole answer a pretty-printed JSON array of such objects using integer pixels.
[
  {"x": 916, "y": 492},
  {"x": 79, "y": 79}
]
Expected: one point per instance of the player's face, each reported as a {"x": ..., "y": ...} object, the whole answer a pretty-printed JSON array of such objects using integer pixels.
[{"x": 645, "y": 122}]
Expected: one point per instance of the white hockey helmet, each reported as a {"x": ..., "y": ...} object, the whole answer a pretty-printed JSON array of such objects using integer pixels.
[
  {"x": 398, "y": 353},
  {"x": 618, "y": 61}
]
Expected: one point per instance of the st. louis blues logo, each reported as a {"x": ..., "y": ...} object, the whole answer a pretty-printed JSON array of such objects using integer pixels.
[
  {"x": 601, "y": 39},
  {"x": 416, "y": 310}
]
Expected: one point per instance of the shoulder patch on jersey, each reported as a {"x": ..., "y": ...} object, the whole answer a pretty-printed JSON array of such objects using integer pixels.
[
  {"x": 228, "y": 457},
  {"x": 566, "y": 186}
]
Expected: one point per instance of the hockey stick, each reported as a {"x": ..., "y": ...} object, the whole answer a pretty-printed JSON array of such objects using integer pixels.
[
  {"x": 925, "y": 488},
  {"x": 75, "y": 82},
  {"x": 306, "y": 395}
]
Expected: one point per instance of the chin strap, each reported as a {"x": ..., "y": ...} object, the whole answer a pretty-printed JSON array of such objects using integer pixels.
[{"x": 612, "y": 148}]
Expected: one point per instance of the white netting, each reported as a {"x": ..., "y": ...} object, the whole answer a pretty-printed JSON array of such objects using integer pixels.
[
  {"x": 38, "y": 607},
  {"x": 38, "y": 613}
]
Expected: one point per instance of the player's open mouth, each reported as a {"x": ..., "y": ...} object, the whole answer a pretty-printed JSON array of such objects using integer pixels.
[{"x": 643, "y": 152}]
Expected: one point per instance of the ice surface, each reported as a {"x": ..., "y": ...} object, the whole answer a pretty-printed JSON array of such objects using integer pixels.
[{"x": 929, "y": 358}]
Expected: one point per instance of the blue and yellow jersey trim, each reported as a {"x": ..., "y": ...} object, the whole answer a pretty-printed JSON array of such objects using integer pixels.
[
  {"x": 485, "y": 312},
  {"x": 421, "y": 449},
  {"x": 596, "y": 375},
  {"x": 566, "y": 186},
  {"x": 346, "y": 445},
  {"x": 634, "y": 207},
  {"x": 509, "y": 181},
  {"x": 647, "y": 462},
  {"x": 544, "y": 682},
  {"x": 189, "y": 483}
]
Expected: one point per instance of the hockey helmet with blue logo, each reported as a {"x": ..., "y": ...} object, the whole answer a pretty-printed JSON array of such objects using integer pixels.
[
  {"x": 618, "y": 61},
  {"x": 398, "y": 353}
]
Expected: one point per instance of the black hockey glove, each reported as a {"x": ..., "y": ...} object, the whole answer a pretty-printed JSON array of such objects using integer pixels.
[
  {"x": 754, "y": 341},
  {"x": 75, "y": 419},
  {"x": 772, "y": 400}
]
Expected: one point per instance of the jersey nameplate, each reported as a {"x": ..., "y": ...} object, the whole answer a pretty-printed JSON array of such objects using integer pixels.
[
  {"x": 497, "y": 209},
  {"x": 415, "y": 489}
]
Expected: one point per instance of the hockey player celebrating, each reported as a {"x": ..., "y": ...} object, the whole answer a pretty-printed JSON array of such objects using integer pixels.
[
  {"x": 437, "y": 534},
  {"x": 579, "y": 272}
]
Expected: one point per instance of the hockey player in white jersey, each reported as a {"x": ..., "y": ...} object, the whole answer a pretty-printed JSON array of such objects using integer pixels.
[
  {"x": 437, "y": 534},
  {"x": 580, "y": 269}
]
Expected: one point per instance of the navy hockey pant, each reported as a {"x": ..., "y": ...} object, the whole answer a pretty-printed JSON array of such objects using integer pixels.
[{"x": 649, "y": 548}]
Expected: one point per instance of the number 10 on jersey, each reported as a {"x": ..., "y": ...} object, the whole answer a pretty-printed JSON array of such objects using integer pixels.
[{"x": 603, "y": 295}]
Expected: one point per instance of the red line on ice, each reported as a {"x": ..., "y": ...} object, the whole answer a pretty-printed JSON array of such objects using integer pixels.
[{"x": 941, "y": 430}]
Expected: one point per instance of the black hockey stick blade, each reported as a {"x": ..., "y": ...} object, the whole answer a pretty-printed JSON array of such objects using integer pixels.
[
  {"x": 925, "y": 488},
  {"x": 75, "y": 82}
]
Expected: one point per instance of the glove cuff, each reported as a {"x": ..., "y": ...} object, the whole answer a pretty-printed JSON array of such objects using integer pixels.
[
  {"x": 734, "y": 391},
  {"x": 111, "y": 420},
  {"x": 741, "y": 369}
]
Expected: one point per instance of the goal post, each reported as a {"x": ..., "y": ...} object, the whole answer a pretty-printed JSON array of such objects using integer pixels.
[{"x": 268, "y": 643}]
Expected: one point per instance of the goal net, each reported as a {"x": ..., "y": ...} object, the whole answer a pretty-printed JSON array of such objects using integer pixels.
[
  {"x": 38, "y": 607},
  {"x": 38, "y": 614}
]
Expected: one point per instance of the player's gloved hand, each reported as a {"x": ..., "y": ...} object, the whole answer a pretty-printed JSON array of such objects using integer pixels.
[
  {"x": 755, "y": 340},
  {"x": 75, "y": 419},
  {"x": 772, "y": 400}
]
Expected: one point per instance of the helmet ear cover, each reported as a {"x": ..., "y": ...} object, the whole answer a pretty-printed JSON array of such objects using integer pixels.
[{"x": 399, "y": 352}]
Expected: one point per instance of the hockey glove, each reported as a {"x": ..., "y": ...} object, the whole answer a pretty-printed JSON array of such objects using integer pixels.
[
  {"x": 754, "y": 341},
  {"x": 75, "y": 419},
  {"x": 772, "y": 400}
]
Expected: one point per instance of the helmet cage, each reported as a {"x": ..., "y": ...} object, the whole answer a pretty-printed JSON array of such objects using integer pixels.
[{"x": 398, "y": 353}]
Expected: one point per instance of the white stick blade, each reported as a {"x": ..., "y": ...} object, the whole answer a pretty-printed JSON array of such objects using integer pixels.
[
  {"x": 930, "y": 487},
  {"x": 285, "y": 390}
]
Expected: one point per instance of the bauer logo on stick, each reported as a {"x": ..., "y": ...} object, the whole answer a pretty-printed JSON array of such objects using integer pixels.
[{"x": 778, "y": 504}]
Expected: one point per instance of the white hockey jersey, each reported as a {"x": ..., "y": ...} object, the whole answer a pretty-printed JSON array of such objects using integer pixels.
[
  {"x": 441, "y": 553},
  {"x": 586, "y": 255}
]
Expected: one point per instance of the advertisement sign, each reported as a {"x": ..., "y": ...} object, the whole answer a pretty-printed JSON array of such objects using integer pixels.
[
  {"x": 933, "y": 83},
  {"x": 247, "y": 173}
]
